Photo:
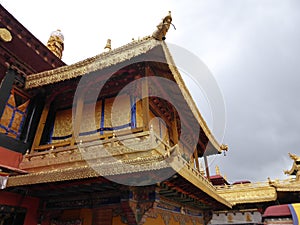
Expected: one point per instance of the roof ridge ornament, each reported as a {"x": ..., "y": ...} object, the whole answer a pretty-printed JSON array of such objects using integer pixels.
[
  {"x": 56, "y": 43},
  {"x": 163, "y": 27},
  {"x": 293, "y": 156},
  {"x": 107, "y": 47}
]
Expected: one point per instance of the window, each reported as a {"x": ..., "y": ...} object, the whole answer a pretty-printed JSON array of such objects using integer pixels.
[{"x": 14, "y": 114}]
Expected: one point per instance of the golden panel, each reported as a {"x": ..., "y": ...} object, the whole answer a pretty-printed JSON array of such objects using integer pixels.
[
  {"x": 118, "y": 111},
  {"x": 139, "y": 114},
  {"x": 62, "y": 125},
  {"x": 91, "y": 117},
  {"x": 91, "y": 123}
]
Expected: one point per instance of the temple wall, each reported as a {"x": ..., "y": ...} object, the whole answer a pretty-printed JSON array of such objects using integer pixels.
[
  {"x": 235, "y": 217},
  {"x": 72, "y": 217},
  {"x": 116, "y": 220},
  {"x": 163, "y": 219},
  {"x": 170, "y": 218},
  {"x": 30, "y": 203},
  {"x": 107, "y": 216},
  {"x": 157, "y": 221}
]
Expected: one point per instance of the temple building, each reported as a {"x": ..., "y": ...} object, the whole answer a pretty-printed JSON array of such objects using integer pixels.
[
  {"x": 271, "y": 202},
  {"x": 113, "y": 139}
]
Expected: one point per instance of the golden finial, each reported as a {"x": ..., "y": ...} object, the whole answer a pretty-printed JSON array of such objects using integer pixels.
[
  {"x": 162, "y": 28},
  {"x": 270, "y": 181},
  {"x": 293, "y": 156},
  {"x": 107, "y": 47},
  {"x": 5, "y": 35},
  {"x": 224, "y": 147},
  {"x": 217, "y": 170},
  {"x": 56, "y": 43}
]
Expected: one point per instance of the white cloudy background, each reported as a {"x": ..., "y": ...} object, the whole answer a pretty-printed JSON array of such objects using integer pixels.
[{"x": 251, "y": 47}]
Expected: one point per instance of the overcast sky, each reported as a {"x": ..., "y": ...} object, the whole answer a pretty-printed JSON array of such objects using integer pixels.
[{"x": 251, "y": 47}]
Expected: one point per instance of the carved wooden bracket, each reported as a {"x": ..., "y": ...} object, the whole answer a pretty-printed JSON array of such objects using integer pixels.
[{"x": 136, "y": 202}]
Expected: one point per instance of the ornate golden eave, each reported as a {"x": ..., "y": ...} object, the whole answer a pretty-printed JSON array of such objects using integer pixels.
[
  {"x": 289, "y": 185},
  {"x": 248, "y": 193},
  {"x": 101, "y": 61},
  {"x": 89, "y": 172},
  {"x": 89, "y": 161}
]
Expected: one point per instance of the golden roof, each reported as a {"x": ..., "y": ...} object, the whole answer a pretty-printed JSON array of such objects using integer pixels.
[
  {"x": 58, "y": 165},
  {"x": 99, "y": 62},
  {"x": 116, "y": 56},
  {"x": 288, "y": 185},
  {"x": 248, "y": 193}
]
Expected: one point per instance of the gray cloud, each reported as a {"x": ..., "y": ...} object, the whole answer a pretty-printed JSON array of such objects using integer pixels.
[{"x": 261, "y": 88}]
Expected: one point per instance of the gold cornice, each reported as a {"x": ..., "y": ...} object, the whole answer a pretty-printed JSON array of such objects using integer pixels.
[
  {"x": 248, "y": 193},
  {"x": 87, "y": 171},
  {"x": 52, "y": 176},
  {"x": 199, "y": 181},
  {"x": 68, "y": 163},
  {"x": 288, "y": 185},
  {"x": 104, "y": 60}
]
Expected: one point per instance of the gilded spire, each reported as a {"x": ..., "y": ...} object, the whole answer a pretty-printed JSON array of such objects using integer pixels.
[
  {"x": 107, "y": 47},
  {"x": 294, "y": 157},
  {"x": 162, "y": 28},
  {"x": 56, "y": 43},
  {"x": 295, "y": 170},
  {"x": 217, "y": 170}
]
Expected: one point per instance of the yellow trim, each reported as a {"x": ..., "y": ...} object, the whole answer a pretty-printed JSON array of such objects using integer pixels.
[
  {"x": 188, "y": 98},
  {"x": 92, "y": 64}
]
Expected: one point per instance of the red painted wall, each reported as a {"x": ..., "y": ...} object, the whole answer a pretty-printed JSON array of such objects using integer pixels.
[
  {"x": 10, "y": 158},
  {"x": 32, "y": 205}
]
